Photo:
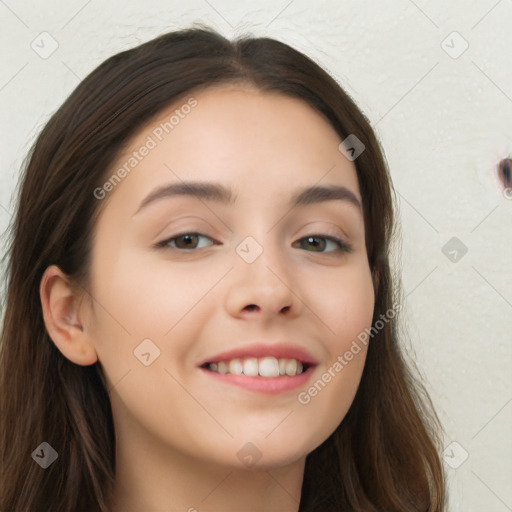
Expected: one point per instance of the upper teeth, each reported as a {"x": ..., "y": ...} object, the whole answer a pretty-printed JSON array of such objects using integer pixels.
[{"x": 264, "y": 367}]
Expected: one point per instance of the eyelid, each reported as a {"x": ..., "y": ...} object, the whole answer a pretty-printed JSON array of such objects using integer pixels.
[
  {"x": 333, "y": 232},
  {"x": 186, "y": 223}
]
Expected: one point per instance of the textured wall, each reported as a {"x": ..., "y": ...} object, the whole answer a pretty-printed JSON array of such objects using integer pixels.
[{"x": 444, "y": 115}]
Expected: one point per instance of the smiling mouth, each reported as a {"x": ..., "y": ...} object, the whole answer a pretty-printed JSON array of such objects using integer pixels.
[{"x": 266, "y": 367}]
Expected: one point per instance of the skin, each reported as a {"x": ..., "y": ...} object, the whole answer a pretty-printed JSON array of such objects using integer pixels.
[{"x": 179, "y": 430}]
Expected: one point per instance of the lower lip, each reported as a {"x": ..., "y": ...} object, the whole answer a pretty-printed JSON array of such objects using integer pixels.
[{"x": 269, "y": 385}]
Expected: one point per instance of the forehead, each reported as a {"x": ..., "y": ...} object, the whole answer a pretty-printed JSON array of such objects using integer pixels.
[{"x": 238, "y": 135}]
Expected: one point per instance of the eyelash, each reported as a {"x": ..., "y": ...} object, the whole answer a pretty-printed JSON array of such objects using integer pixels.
[{"x": 343, "y": 246}]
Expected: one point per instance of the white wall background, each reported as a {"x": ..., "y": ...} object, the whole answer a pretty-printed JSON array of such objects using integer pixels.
[{"x": 444, "y": 120}]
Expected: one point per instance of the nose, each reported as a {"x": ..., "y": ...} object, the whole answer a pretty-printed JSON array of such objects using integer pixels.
[{"x": 264, "y": 288}]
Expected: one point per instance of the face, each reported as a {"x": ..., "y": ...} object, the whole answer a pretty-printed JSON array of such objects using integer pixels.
[{"x": 182, "y": 280}]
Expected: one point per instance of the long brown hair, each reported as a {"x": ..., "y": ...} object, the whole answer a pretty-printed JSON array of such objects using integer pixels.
[{"x": 384, "y": 456}]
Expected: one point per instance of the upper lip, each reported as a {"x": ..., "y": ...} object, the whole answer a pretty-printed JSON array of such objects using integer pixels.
[{"x": 283, "y": 350}]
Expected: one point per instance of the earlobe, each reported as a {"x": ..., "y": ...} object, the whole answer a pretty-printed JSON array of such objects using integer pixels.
[{"x": 62, "y": 318}]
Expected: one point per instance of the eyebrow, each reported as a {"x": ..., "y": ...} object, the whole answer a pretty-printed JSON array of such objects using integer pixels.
[{"x": 218, "y": 193}]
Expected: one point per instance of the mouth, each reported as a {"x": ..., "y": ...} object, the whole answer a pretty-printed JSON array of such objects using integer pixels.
[
  {"x": 268, "y": 367},
  {"x": 269, "y": 374}
]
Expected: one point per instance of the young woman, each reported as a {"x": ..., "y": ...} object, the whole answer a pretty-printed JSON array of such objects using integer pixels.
[{"x": 200, "y": 312}]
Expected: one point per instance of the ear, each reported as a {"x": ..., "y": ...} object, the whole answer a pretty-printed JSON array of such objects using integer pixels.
[{"x": 63, "y": 317}]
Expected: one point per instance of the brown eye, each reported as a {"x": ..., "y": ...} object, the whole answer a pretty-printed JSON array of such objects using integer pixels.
[
  {"x": 185, "y": 241},
  {"x": 319, "y": 243}
]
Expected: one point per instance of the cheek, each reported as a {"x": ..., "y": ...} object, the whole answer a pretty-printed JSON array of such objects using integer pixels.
[
  {"x": 148, "y": 299},
  {"x": 347, "y": 316},
  {"x": 326, "y": 401},
  {"x": 136, "y": 302},
  {"x": 345, "y": 306}
]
